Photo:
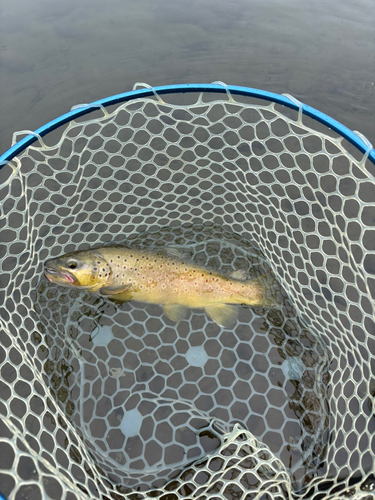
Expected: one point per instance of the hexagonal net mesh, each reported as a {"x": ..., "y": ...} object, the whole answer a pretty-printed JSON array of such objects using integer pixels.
[{"x": 100, "y": 400}]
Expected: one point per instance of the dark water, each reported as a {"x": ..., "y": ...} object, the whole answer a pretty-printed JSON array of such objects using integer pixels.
[{"x": 54, "y": 55}]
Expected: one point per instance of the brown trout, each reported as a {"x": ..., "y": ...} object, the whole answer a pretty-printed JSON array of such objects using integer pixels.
[{"x": 124, "y": 274}]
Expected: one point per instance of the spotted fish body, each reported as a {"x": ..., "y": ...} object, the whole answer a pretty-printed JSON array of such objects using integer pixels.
[{"x": 126, "y": 274}]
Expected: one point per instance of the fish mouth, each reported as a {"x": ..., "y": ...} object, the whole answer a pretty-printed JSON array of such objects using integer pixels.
[{"x": 53, "y": 275}]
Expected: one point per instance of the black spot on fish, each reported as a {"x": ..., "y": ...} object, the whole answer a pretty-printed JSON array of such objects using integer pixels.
[
  {"x": 118, "y": 256},
  {"x": 98, "y": 262},
  {"x": 100, "y": 275},
  {"x": 103, "y": 270},
  {"x": 95, "y": 268}
]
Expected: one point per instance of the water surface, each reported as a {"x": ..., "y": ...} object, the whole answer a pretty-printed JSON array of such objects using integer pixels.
[{"x": 54, "y": 55}]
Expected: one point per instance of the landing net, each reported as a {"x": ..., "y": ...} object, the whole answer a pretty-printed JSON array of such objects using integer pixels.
[{"x": 107, "y": 401}]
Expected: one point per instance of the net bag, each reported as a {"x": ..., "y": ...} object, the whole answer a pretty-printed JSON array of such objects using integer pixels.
[{"x": 100, "y": 400}]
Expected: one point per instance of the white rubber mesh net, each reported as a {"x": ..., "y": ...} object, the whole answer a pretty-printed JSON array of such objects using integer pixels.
[{"x": 108, "y": 401}]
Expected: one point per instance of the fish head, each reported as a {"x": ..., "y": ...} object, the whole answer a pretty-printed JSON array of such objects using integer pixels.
[{"x": 86, "y": 270}]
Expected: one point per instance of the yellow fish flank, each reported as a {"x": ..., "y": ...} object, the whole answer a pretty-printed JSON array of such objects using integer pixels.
[{"x": 125, "y": 274}]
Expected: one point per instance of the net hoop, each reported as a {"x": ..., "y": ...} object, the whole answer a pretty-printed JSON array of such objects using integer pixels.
[{"x": 219, "y": 88}]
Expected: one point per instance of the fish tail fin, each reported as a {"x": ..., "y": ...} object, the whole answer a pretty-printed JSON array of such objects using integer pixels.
[{"x": 269, "y": 290}]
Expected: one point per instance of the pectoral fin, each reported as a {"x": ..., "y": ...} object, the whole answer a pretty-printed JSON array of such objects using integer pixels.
[
  {"x": 222, "y": 314},
  {"x": 113, "y": 290},
  {"x": 175, "y": 312}
]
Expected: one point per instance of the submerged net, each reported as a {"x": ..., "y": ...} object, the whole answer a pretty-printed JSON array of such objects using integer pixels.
[{"x": 100, "y": 400}]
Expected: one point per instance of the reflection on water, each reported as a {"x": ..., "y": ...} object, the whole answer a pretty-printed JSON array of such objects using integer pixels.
[
  {"x": 319, "y": 53},
  {"x": 149, "y": 396}
]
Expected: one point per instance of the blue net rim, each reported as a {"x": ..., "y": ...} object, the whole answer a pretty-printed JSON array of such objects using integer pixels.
[{"x": 352, "y": 137}]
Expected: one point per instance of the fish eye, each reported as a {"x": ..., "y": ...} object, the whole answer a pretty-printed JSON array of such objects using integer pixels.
[{"x": 72, "y": 264}]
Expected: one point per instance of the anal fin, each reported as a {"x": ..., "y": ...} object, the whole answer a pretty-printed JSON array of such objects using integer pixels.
[
  {"x": 175, "y": 312},
  {"x": 223, "y": 314}
]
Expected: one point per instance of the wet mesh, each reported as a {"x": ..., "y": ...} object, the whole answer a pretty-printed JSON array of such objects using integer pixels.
[{"x": 101, "y": 400}]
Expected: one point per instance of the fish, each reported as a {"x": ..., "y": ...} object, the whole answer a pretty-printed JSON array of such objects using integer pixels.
[{"x": 123, "y": 274}]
